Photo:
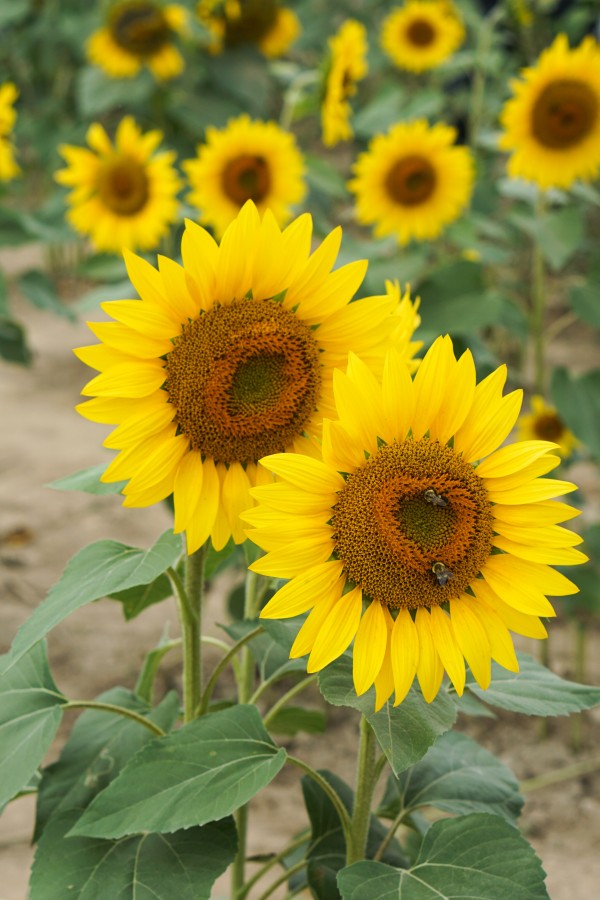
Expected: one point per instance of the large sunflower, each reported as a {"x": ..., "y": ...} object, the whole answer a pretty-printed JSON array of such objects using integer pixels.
[
  {"x": 227, "y": 359},
  {"x": 412, "y": 181},
  {"x": 246, "y": 160},
  {"x": 552, "y": 124},
  {"x": 139, "y": 33},
  {"x": 422, "y": 34},
  {"x": 414, "y": 536},
  {"x": 124, "y": 196},
  {"x": 348, "y": 64},
  {"x": 543, "y": 422},
  {"x": 264, "y": 23}
]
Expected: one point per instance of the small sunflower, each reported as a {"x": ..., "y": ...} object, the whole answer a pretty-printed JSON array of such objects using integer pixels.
[
  {"x": 552, "y": 124},
  {"x": 227, "y": 359},
  {"x": 412, "y": 181},
  {"x": 414, "y": 536},
  {"x": 264, "y": 23},
  {"x": 139, "y": 33},
  {"x": 246, "y": 160},
  {"x": 348, "y": 64},
  {"x": 422, "y": 34},
  {"x": 8, "y": 166},
  {"x": 544, "y": 423},
  {"x": 124, "y": 196}
]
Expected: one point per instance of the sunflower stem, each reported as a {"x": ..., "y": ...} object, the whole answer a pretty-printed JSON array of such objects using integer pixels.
[
  {"x": 289, "y": 695},
  {"x": 222, "y": 664},
  {"x": 538, "y": 305},
  {"x": 366, "y": 779},
  {"x": 189, "y": 603},
  {"x": 245, "y": 688}
]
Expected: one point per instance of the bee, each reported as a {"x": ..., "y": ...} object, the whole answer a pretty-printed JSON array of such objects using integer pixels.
[
  {"x": 442, "y": 573},
  {"x": 434, "y": 499}
]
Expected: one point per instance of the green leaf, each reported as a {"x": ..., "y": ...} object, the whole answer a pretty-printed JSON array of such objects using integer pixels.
[
  {"x": 325, "y": 177},
  {"x": 578, "y": 403},
  {"x": 458, "y": 776},
  {"x": 476, "y": 856},
  {"x": 97, "y": 93},
  {"x": 136, "y": 599},
  {"x": 99, "y": 745},
  {"x": 41, "y": 292},
  {"x": 456, "y": 299},
  {"x": 534, "y": 690},
  {"x": 584, "y": 303},
  {"x": 92, "y": 300},
  {"x": 96, "y": 571},
  {"x": 183, "y": 865},
  {"x": 404, "y": 732},
  {"x": 384, "y": 110},
  {"x": 293, "y": 719},
  {"x": 242, "y": 75},
  {"x": 326, "y": 853},
  {"x": 88, "y": 480},
  {"x": 13, "y": 12},
  {"x": 271, "y": 650},
  {"x": 102, "y": 267},
  {"x": 560, "y": 235},
  {"x": 204, "y": 771},
  {"x": 13, "y": 342},
  {"x": 30, "y": 713}
]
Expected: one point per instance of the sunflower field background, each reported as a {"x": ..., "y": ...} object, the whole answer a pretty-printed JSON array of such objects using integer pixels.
[{"x": 330, "y": 275}]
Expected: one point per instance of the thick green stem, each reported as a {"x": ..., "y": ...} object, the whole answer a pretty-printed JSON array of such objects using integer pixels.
[
  {"x": 189, "y": 602},
  {"x": 118, "y": 710},
  {"x": 538, "y": 307},
  {"x": 366, "y": 778}
]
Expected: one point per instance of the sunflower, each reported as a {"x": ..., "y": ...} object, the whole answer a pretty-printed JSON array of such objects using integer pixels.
[
  {"x": 412, "y": 181},
  {"x": 414, "y": 536},
  {"x": 8, "y": 167},
  {"x": 543, "y": 422},
  {"x": 246, "y": 160},
  {"x": 227, "y": 359},
  {"x": 264, "y": 23},
  {"x": 552, "y": 124},
  {"x": 348, "y": 64},
  {"x": 422, "y": 34},
  {"x": 124, "y": 196},
  {"x": 139, "y": 33}
]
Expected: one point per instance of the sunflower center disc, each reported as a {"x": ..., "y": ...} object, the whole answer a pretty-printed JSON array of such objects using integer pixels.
[
  {"x": 564, "y": 114},
  {"x": 246, "y": 178},
  {"x": 140, "y": 28},
  {"x": 549, "y": 427},
  {"x": 244, "y": 380},
  {"x": 255, "y": 20},
  {"x": 390, "y": 535},
  {"x": 123, "y": 186},
  {"x": 411, "y": 181},
  {"x": 421, "y": 33}
]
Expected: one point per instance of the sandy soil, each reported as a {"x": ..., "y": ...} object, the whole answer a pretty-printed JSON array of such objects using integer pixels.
[{"x": 40, "y": 529}]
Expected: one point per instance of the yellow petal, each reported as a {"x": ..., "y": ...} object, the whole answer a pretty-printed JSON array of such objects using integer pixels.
[
  {"x": 555, "y": 556},
  {"x": 431, "y": 383},
  {"x": 221, "y": 530},
  {"x": 203, "y": 517},
  {"x": 337, "y": 631},
  {"x": 472, "y": 639},
  {"x": 512, "y": 458},
  {"x": 128, "y": 341},
  {"x": 532, "y": 492},
  {"x": 488, "y": 394},
  {"x": 513, "y": 480},
  {"x": 236, "y": 498},
  {"x": 143, "y": 318},
  {"x": 339, "y": 450},
  {"x": 405, "y": 654},
  {"x": 501, "y": 645},
  {"x": 164, "y": 459},
  {"x": 398, "y": 398},
  {"x": 542, "y": 513},
  {"x": 181, "y": 304},
  {"x": 307, "y": 635},
  {"x": 291, "y": 501},
  {"x": 137, "y": 379},
  {"x": 504, "y": 581},
  {"x": 301, "y": 593},
  {"x": 187, "y": 488},
  {"x": 384, "y": 682},
  {"x": 495, "y": 425},
  {"x": 457, "y": 402},
  {"x": 101, "y": 357},
  {"x": 310, "y": 475},
  {"x": 369, "y": 647},
  {"x": 200, "y": 253},
  {"x": 429, "y": 667},
  {"x": 520, "y": 623},
  {"x": 152, "y": 415},
  {"x": 107, "y": 410},
  {"x": 545, "y": 535},
  {"x": 447, "y": 648},
  {"x": 294, "y": 559}
]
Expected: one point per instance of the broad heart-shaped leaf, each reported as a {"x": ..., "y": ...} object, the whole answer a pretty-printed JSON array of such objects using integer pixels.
[
  {"x": 477, "y": 857},
  {"x": 577, "y": 400},
  {"x": 94, "y": 572},
  {"x": 404, "y": 732},
  {"x": 183, "y": 865},
  {"x": 535, "y": 690},
  {"x": 199, "y": 774},
  {"x": 30, "y": 713},
  {"x": 458, "y": 776},
  {"x": 292, "y": 719},
  {"x": 88, "y": 481},
  {"x": 99, "y": 745},
  {"x": 326, "y": 853}
]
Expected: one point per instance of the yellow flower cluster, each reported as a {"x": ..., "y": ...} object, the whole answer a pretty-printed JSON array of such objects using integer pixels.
[{"x": 8, "y": 167}]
